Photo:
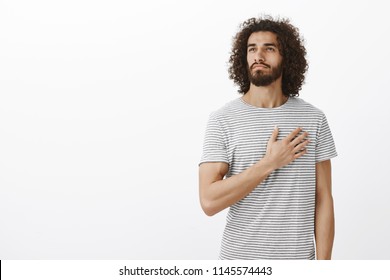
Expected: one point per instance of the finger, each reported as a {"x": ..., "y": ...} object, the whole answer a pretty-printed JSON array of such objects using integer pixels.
[
  {"x": 297, "y": 155},
  {"x": 293, "y": 134},
  {"x": 274, "y": 135},
  {"x": 299, "y": 138},
  {"x": 301, "y": 146}
]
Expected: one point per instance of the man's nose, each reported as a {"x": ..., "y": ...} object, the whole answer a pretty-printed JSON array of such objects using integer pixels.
[{"x": 259, "y": 56}]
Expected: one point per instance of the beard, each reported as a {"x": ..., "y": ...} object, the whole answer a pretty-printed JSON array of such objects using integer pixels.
[{"x": 259, "y": 78}]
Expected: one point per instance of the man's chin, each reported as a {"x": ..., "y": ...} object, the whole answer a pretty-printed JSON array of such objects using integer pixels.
[{"x": 263, "y": 81}]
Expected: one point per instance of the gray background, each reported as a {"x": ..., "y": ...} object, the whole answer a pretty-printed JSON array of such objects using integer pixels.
[{"x": 103, "y": 107}]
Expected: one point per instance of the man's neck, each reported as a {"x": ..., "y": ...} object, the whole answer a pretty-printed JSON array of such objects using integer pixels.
[{"x": 265, "y": 97}]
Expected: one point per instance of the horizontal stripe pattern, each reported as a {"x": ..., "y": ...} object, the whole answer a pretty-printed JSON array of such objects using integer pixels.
[{"x": 276, "y": 220}]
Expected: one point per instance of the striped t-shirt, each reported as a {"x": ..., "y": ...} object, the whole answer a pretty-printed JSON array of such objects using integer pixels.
[{"x": 276, "y": 220}]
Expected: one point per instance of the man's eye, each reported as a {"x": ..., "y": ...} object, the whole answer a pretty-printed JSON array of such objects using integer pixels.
[
  {"x": 270, "y": 49},
  {"x": 251, "y": 49}
]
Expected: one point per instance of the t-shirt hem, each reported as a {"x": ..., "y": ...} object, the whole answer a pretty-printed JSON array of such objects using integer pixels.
[
  {"x": 326, "y": 158},
  {"x": 212, "y": 160}
]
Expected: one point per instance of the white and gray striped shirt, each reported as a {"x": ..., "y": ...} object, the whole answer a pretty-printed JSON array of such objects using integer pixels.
[{"x": 276, "y": 220}]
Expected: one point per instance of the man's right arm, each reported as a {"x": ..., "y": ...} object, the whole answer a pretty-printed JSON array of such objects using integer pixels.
[{"x": 217, "y": 193}]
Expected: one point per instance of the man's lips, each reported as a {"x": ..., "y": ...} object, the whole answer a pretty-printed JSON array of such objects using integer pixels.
[{"x": 259, "y": 66}]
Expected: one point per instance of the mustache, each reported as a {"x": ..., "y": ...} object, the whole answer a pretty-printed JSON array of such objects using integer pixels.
[{"x": 263, "y": 64}]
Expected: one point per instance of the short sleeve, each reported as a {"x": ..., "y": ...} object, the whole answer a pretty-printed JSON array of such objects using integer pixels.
[
  {"x": 214, "y": 145},
  {"x": 325, "y": 147}
]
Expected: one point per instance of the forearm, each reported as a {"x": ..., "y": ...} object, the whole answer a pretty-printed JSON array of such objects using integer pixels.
[
  {"x": 324, "y": 226},
  {"x": 224, "y": 193}
]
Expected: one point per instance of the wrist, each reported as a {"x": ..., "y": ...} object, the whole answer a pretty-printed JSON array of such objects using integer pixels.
[
  {"x": 326, "y": 257},
  {"x": 266, "y": 164}
]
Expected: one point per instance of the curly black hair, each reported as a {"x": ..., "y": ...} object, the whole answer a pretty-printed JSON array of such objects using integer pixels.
[{"x": 293, "y": 53}]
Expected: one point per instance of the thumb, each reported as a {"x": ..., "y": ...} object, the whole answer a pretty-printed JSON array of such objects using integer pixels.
[{"x": 274, "y": 135}]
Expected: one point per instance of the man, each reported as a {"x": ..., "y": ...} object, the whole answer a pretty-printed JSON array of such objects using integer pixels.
[{"x": 266, "y": 155}]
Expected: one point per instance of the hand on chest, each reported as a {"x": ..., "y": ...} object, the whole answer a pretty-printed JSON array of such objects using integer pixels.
[{"x": 251, "y": 143}]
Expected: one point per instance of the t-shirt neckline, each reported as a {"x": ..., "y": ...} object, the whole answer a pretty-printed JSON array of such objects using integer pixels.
[{"x": 264, "y": 108}]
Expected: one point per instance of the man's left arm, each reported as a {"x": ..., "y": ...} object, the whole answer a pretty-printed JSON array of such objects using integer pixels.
[{"x": 324, "y": 212}]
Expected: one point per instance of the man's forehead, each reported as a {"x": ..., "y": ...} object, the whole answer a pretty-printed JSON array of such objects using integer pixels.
[{"x": 262, "y": 37}]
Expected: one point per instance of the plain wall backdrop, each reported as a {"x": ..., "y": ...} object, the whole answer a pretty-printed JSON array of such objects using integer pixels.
[{"x": 104, "y": 105}]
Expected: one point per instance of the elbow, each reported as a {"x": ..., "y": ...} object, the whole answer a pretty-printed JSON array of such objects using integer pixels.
[
  {"x": 208, "y": 207},
  {"x": 324, "y": 196},
  {"x": 209, "y": 212}
]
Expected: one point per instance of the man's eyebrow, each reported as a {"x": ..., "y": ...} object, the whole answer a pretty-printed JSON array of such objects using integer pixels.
[
  {"x": 265, "y": 44},
  {"x": 270, "y": 44}
]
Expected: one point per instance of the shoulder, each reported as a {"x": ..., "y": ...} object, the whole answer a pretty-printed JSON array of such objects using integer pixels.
[
  {"x": 300, "y": 104},
  {"x": 226, "y": 110}
]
